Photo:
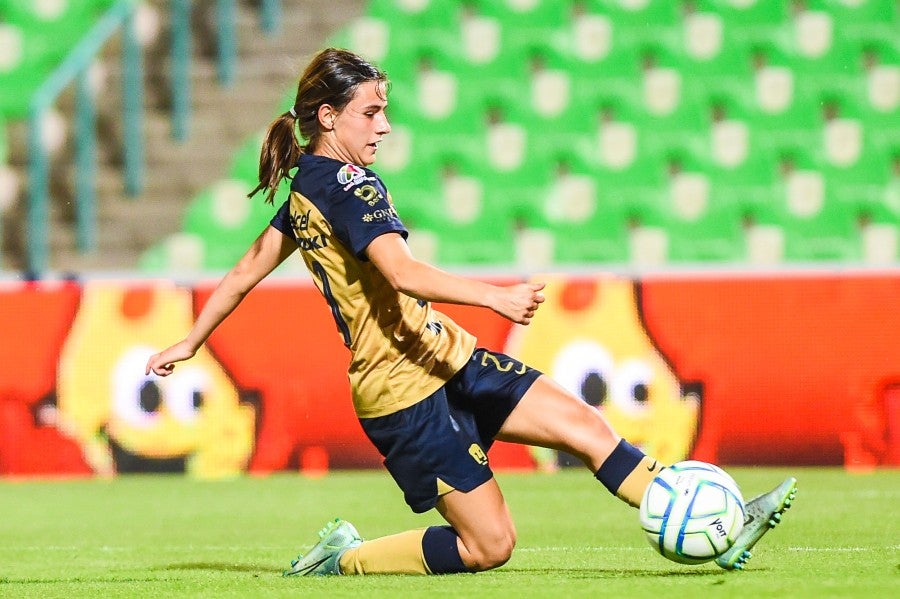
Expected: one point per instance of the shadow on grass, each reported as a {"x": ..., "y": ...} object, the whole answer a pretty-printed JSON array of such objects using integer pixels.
[
  {"x": 74, "y": 579},
  {"x": 218, "y": 567},
  {"x": 576, "y": 573}
]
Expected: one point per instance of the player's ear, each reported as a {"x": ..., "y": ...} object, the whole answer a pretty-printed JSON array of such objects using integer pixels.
[{"x": 326, "y": 115}]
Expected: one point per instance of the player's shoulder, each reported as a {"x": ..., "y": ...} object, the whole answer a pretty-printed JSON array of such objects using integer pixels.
[{"x": 334, "y": 177}]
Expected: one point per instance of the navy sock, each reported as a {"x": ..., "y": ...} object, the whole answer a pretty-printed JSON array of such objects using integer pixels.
[
  {"x": 441, "y": 551},
  {"x": 620, "y": 463}
]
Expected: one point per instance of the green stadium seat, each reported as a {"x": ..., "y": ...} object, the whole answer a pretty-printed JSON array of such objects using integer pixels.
[
  {"x": 730, "y": 73},
  {"x": 750, "y": 22},
  {"x": 562, "y": 198},
  {"x": 245, "y": 161},
  {"x": 154, "y": 259},
  {"x": 414, "y": 189},
  {"x": 471, "y": 226},
  {"x": 833, "y": 235},
  {"x": 524, "y": 23},
  {"x": 749, "y": 186},
  {"x": 599, "y": 56},
  {"x": 816, "y": 225},
  {"x": 862, "y": 184},
  {"x": 589, "y": 222},
  {"x": 411, "y": 24},
  {"x": 800, "y": 125},
  {"x": 700, "y": 223},
  {"x": 654, "y": 20},
  {"x": 639, "y": 187},
  {"x": 862, "y": 20},
  {"x": 180, "y": 252},
  {"x": 29, "y": 59},
  {"x": 62, "y": 22},
  {"x": 412, "y": 16},
  {"x": 227, "y": 220}
]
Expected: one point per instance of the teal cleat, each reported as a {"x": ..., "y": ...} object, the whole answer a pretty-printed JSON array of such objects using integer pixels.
[
  {"x": 763, "y": 512},
  {"x": 323, "y": 559}
]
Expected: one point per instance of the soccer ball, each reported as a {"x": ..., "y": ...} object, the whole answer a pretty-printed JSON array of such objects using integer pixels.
[{"x": 692, "y": 512}]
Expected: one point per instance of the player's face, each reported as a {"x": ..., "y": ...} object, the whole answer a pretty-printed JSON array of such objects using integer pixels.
[{"x": 359, "y": 127}]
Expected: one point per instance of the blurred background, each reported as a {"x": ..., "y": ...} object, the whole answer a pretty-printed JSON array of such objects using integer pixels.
[
  {"x": 530, "y": 134},
  {"x": 735, "y": 164}
]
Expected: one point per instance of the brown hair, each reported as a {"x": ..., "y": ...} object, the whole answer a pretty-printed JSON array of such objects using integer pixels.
[{"x": 332, "y": 77}]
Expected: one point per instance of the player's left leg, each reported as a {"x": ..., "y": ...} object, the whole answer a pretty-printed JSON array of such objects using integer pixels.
[
  {"x": 549, "y": 416},
  {"x": 763, "y": 513}
]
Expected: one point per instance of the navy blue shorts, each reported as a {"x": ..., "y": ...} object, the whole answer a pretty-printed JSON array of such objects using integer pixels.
[{"x": 441, "y": 442}]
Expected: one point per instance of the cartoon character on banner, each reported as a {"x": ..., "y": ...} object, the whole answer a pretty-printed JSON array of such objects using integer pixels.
[
  {"x": 196, "y": 421},
  {"x": 590, "y": 338}
]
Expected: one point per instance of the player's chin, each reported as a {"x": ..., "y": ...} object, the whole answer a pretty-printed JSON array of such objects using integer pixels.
[{"x": 370, "y": 154}]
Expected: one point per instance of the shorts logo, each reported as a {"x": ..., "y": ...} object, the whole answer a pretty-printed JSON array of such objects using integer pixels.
[{"x": 478, "y": 454}]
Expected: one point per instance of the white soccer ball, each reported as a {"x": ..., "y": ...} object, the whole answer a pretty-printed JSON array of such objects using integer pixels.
[{"x": 692, "y": 512}]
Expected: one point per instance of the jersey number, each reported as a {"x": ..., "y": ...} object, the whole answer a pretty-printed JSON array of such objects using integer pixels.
[{"x": 343, "y": 329}]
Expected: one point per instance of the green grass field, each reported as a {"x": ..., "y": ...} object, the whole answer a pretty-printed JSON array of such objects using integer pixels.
[{"x": 172, "y": 536}]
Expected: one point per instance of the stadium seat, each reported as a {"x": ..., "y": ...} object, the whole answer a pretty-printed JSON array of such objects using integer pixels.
[
  {"x": 412, "y": 16},
  {"x": 665, "y": 93},
  {"x": 862, "y": 19},
  {"x": 227, "y": 220},
  {"x": 654, "y": 20},
  {"x": 589, "y": 224},
  {"x": 245, "y": 161},
  {"x": 25, "y": 61},
  {"x": 414, "y": 190},
  {"x": 817, "y": 226},
  {"x": 749, "y": 22},
  {"x": 730, "y": 72},
  {"x": 470, "y": 225},
  {"x": 63, "y": 21},
  {"x": 701, "y": 223}
]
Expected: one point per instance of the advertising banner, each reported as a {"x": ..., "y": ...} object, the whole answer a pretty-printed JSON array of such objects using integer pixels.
[{"x": 800, "y": 368}]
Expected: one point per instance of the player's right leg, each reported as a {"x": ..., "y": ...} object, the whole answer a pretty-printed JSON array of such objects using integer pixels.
[
  {"x": 335, "y": 539},
  {"x": 437, "y": 457},
  {"x": 482, "y": 522}
]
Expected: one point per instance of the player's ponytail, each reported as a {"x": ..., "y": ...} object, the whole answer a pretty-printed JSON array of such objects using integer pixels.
[
  {"x": 332, "y": 78},
  {"x": 279, "y": 154}
]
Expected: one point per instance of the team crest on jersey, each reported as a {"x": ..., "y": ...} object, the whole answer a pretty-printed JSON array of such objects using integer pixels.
[{"x": 350, "y": 173}]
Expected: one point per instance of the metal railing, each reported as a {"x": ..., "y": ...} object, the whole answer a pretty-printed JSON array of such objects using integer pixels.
[{"x": 74, "y": 67}]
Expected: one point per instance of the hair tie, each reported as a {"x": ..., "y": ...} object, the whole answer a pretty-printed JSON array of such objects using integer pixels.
[{"x": 293, "y": 112}]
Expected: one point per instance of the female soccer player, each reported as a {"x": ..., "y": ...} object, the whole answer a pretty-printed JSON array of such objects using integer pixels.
[{"x": 426, "y": 396}]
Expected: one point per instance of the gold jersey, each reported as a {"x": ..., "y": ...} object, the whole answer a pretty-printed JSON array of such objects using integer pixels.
[{"x": 401, "y": 349}]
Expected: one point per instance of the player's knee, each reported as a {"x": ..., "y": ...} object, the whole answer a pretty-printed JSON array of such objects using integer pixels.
[{"x": 492, "y": 551}]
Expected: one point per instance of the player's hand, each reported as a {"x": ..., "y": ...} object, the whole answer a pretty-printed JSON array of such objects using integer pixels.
[
  {"x": 519, "y": 302},
  {"x": 163, "y": 363}
]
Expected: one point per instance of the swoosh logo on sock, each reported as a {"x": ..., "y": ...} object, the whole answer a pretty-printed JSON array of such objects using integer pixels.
[{"x": 652, "y": 466}]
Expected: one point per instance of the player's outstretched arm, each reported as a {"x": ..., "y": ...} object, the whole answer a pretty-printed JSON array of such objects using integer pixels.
[
  {"x": 269, "y": 250},
  {"x": 390, "y": 254}
]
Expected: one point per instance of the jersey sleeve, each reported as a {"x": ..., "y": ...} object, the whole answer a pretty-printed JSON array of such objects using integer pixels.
[
  {"x": 282, "y": 219},
  {"x": 362, "y": 212}
]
